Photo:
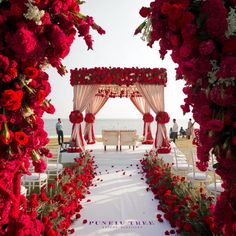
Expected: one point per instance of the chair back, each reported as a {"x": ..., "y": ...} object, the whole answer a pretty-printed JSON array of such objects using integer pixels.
[
  {"x": 128, "y": 137},
  {"x": 110, "y": 137}
]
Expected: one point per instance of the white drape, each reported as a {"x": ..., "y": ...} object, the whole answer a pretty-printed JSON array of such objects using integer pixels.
[
  {"x": 82, "y": 96},
  {"x": 95, "y": 105},
  {"x": 154, "y": 95},
  {"x": 143, "y": 107}
]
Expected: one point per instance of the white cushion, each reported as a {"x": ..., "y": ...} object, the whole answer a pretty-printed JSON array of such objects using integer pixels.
[
  {"x": 35, "y": 177},
  {"x": 54, "y": 166},
  {"x": 182, "y": 167},
  {"x": 198, "y": 176},
  {"x": 215, "y": 188}
]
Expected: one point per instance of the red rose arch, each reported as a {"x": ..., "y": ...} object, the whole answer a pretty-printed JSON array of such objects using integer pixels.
[
  {"x": 202, "y": 37},
  {"x": 32, "y": 34}
]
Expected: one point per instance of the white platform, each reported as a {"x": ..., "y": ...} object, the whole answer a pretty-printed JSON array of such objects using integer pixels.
[{"x": 119, "y": 203}]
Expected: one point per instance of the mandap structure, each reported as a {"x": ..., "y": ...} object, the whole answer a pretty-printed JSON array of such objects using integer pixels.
[{"x": 93, "y": 87}]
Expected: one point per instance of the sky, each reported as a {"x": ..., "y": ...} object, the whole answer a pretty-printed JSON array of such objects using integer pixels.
[{"x": 117, "y": 48}]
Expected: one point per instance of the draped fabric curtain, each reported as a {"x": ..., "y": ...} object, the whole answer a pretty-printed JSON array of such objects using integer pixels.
[
  {"x": 82, "y": 96},
  {"x": 95, "y": 105},
  {"x": 154, "y": 95},
  {"x": 143, "y": 107}
]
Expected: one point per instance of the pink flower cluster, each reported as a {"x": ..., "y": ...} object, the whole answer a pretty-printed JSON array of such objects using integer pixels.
[
  {"x": 33, "y": 34},
  {"x": 202, "y": 43}
]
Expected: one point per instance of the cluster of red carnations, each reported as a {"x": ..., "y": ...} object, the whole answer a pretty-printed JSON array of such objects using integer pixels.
[
  {"x": 33, "y": 34},
  {"x": 51, "y": 212},
  {"x": 189, "y": 211},
  {"x": 201, "y": 36},
  {"x": 119, "y": 76}
]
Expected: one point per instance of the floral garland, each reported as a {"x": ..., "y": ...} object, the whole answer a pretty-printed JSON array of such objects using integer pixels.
[
  {"x": 33, "y": 33},
  {"x": 187, "y": 210},
  {"x": 119, "y": 76},
  {"x": 202, "y": 37}
]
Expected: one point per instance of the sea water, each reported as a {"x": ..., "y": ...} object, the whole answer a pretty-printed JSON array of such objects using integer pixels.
[{"x": 109, "y": 124}]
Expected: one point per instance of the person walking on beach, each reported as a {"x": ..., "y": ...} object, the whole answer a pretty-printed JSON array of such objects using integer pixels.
[
  {"x": 59, "y": 132},
  {"x": 175, "y": 129}
]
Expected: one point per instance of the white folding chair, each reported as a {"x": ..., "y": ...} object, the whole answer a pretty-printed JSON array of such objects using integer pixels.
[
  {"x": 180, "y": 162},
  {"x": 35, "y": 180},
  {"x": 23, "y": 190},
  {"x": 54, "y": 168},
  {"x": 215, "y": 187},
  {"x": 197, "y": 176}
]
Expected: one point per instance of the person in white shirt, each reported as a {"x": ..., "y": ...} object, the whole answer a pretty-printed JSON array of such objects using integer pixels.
[
  {"x": 175, "y": 129},
  {"x": 59, "y": 132}
]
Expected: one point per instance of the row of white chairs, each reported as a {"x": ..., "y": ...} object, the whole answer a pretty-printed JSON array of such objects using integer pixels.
[
  {"x": 40, "y": 180},
  {"x": 182, "y": 166}
]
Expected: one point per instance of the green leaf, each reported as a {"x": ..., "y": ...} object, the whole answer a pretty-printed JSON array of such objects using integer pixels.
[{"x": 215, "y": 166}]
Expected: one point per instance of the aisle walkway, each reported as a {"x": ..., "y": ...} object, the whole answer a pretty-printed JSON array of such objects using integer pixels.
[{"x": 119, "y": 203}]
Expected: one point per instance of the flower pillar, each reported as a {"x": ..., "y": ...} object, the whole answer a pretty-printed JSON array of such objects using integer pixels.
[
  {"x": 33, "y": 34},
  {"x": 202, "y": 36}
]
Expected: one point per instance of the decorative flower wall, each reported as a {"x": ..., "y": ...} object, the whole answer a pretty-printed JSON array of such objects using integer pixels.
[
  {"x": 33, "y": 34},
  {"x": 201, "y": 36}
]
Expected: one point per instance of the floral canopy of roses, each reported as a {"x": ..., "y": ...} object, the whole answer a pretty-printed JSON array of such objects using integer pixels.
[{"x": 119, "y": 76}]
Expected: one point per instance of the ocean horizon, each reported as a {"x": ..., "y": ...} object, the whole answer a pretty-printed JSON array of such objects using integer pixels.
[{"x": 108, "y": 124}]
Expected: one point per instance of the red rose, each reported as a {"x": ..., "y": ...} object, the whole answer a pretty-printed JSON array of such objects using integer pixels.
[
  {"x": 11, "y": 100},
  {"x": 76, "y": 117},
  {"x": 31, "y": 72},
  {"x": 144, "y": 12},
  {"x": 188, "y": 227},
  {"x": 147, "y": 117},
  {"x": 51, "y": 232},
  {"x": 162, "y": 117},
  {"x": 89, "y": 118},
  {"x": 215, "y": 125},
  {"x": 21, "y": 138}
]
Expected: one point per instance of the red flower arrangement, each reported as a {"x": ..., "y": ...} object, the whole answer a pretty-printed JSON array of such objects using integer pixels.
[
  {"x": 89, "y": 118},
  {"x": 201, "y": 36},
  {"x": 147, "y": 117},
  {"x": 162, "y": 117},
  {"x": 33, "y": 34},
  {"x": 76, "y": 117},
  {"x": 188, "y": 211},
  {"x": 119, "y": 76}
]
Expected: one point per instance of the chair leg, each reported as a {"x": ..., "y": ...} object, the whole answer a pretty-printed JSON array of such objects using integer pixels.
[
  {"x": 117, "y": 148},
  {"x": 105, "y": 147},
  {"x": 120, "y": 147},
  {"x": 133, "y": 148}
]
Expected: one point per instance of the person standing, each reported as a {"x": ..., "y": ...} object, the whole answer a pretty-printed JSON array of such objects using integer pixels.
[
  {"x": 190, "y": 128},
  {"x": 59, "y": 132},
  {"x": 175, "y": 129}
]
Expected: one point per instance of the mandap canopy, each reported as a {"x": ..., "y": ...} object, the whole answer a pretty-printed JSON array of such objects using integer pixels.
[{"x": 93, "y": 87}]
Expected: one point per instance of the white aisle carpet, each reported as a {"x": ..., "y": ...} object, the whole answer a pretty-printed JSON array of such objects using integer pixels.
[{"x": 119, "y": 203}]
